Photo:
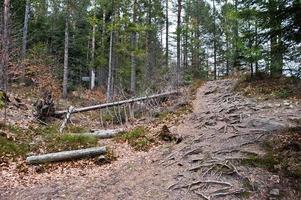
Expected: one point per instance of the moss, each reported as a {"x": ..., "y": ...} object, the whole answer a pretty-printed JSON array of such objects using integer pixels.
[
  {"x": 267, "y": 161},
  {"x": 10, "y": 148},
  {"x": 244, "y": 195},
  {"x": 75, "y": 129},
  {"x": 41, "y": 138},
  {"x": 137, "y": 139},
  {"x": 163, "y": 115}
]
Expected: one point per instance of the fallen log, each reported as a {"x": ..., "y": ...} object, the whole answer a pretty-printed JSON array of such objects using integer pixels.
[
  {"x": 66, "y": 155},
  {"x": 104, "y": 134},
  {"x": 117, "y": 103}
]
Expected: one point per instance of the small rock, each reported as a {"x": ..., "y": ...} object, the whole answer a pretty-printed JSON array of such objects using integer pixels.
[
  {"x": 275, "y": 192},
  {"x": 278, "y": 105}
]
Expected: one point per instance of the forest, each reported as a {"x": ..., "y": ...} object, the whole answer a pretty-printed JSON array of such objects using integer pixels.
[
  {"x": 175, "y": 99},
  {"x": 129, "y": 47}
]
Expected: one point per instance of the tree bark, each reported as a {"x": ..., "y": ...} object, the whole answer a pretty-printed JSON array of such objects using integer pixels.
[
  {"x": 5, "y": 46},
  {"x": 276, "y": 41},
  {"x": 214, "y": 41},
  {"x": 133, "y": 56},
  {"x": 178, "y": 43},
  {"x": 66, "y": 58},
  {"x": 66, "y": 155},
  {"x": 110, "y": 74},
  {"x": 92, "y": 72},
  {"x": 25, "y": 29},
  {"x": 112, "y": 104},
  {"x": 167, "y": 34},
  {"x": 103, "y": 134}
]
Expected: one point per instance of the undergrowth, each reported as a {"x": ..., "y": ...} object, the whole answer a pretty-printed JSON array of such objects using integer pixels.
[
  {"x": 265, "y": 87},
  {"x": 16, "y": 142},
  {"x": 137, "y": 138},
  {"x": 283, "y": 155}
]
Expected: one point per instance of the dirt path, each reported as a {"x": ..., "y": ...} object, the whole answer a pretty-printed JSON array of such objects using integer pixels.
[{"x": 223, "y": 129}]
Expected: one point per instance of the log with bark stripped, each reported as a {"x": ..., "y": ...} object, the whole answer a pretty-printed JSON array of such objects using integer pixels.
[
  {"x": 104, "y": 134},
  {"x": 112, "y": 104},
  {"x": 66, "y": 155}
]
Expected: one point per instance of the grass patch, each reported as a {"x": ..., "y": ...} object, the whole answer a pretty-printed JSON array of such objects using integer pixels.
[
  {"x": 54, "y": 141},
  {"x": 137, "y": 139},
  {"x": 264, "y": 87},
  {"x": 70, "y": 142},
  {"x": 10, "y": 148}
]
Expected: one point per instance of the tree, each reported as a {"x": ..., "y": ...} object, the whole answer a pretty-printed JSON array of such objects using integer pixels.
[
  {"x": 134, "y": 46},
  {"x": 178, "y": 42},
  {"x": 66, "y": 54},
  {"x": 5, "y": 45},
  {"x": 25, "y": 28},
  {"x": 92, "y": 72}
]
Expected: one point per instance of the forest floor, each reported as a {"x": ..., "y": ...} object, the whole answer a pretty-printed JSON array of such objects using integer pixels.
[{"x": 233, "y": 148}]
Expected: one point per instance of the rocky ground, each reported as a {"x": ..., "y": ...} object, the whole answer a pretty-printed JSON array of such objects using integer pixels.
[{"x": 223, "y": 131}]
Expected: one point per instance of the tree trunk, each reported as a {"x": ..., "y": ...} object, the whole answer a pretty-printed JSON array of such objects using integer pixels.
[
  {"x": 5, "y": 46},
  {"x": 178, "y": 43},
  {"x": 103, "y": 35},
  {"x": 25, "y": 29},
  {"x": 214, "y": 41},
  {"x": 66, "y": 155},
  {"x": 133, "y": 57},
  {"x": 236, "y": 63},
  {"x": 167, "y": 34},
  {"x": 118, "y": 103},
  {"x": 66, "y": 57},
  {"x": 276, "y": 66},
  {"x": 92, "y": 72},
  {"x": 110, "y": 75},
  {"x": 103, "y": 134}
]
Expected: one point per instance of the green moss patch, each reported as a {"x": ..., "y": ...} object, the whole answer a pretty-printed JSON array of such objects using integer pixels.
[
  {"x": 137, "y": 139},
  {"x": 40, "y": 139}
]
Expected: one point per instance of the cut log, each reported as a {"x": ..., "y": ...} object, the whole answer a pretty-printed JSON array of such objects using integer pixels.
[
  {"x": 104, "y": 134},
  {"x": 112, "y": 104},
  {"x": 66, "y": 155}
]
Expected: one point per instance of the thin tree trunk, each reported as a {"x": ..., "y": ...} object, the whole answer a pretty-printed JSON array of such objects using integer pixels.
[
  {"x": 214, "y": 40},
  {"x": 178, "y": 43},
  {"x": 236, "y": 64},
  {"x": 66, "y": 58},
  {"x": 5, "y": 46},
  {"x": 256, "y": 43},
  {"x": 92, "y": 72},
  {"x": 103, "y": 34},
  {"x": 109, "y": 86},
  {"x": 25, "y": 29},
  {"x": 167, "y": 33},
  {"x": 133, "y": 57}
]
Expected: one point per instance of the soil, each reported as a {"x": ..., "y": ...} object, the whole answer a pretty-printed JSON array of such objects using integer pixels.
[{"x": 224, "y": 129}]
